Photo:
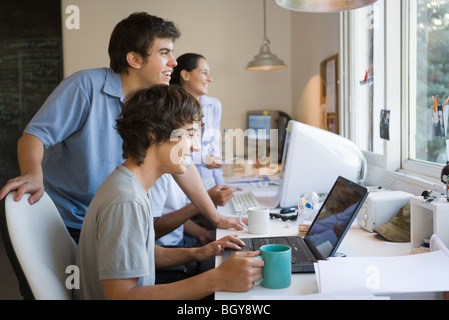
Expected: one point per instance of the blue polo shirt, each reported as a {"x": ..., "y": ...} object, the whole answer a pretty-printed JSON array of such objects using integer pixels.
[{"x": 76, "y": 125}]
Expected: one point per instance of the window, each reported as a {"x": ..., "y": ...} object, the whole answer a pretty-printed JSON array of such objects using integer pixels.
[
  {"x": 429, "y": 80},
  {"x": 365, "y": 47},
  {"x": 407, "y": 51}
]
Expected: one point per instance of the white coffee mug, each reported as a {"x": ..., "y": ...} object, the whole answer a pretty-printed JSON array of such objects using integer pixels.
[{"x": 258, "y": 220}]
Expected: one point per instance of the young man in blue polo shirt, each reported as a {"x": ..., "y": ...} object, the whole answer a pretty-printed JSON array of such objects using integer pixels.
[{"x": 71, "y": 146}]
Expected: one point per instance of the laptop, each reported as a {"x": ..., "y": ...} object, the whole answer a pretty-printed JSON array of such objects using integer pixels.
[{"x": 326, "y": 232}]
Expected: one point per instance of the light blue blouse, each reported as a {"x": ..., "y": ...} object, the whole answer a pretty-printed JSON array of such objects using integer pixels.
[{"x": 210, "y": 141}]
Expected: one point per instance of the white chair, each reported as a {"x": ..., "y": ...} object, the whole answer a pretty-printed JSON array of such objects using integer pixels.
[{"x": 39, "y": 247}]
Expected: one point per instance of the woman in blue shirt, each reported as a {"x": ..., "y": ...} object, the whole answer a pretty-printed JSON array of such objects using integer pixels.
[{"x": 193, "y": 74}]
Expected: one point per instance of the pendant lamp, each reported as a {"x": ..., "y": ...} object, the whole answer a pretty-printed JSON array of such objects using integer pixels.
[
  {"x": 323, "y": 5},
  {"x": 265, "y": 60}
]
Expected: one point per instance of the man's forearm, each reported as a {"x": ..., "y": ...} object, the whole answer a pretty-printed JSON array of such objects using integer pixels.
[
  {"x": 168, "y": 222},
  {"x": 192, "y": 185},
  {"x": 30, "y": 152},
  {"x": 170, "y": 257}
]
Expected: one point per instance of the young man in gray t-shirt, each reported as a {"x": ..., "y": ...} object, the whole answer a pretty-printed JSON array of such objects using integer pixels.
[{"x": 117, "y": 256}]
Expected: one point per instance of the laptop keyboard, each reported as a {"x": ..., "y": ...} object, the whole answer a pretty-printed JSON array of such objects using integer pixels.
[
  {"x": 257, "y": 243},
  {"x": 241, "y": 202},
  {"x": 303, "y": 253},
  {"x": 298, "y": 255}
]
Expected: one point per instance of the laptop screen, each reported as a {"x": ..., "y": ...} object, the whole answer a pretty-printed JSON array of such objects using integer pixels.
[{"x": 335, "y": 216}]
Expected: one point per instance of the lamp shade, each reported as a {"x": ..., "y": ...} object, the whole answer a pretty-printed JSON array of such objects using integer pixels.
[
  {"x": 323, "y": 5},
  {"x": 265, "y": 60}
]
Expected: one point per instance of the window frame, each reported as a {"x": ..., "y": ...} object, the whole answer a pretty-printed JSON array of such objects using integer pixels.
[
  {"x": 350, "y": 84},
  {"x": 422, "y": 168},
  {"x": 399, "y": 84}
]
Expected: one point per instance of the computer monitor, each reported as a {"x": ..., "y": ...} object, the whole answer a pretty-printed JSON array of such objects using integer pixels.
[
  {"x": 259, "y": 125},
  {"x": 313, "y": 159},
  {"x": 261, "y": 121}
]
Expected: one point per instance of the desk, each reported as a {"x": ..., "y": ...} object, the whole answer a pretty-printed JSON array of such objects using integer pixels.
[{"x": 357, "y": 243}]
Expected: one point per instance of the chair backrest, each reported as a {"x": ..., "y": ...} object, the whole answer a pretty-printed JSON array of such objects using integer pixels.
[{"x": 39, "y": 247}]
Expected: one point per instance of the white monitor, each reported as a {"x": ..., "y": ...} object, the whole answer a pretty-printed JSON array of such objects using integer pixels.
[{"x": 313, "y": 159}]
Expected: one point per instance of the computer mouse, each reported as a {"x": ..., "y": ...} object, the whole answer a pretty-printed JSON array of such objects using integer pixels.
[{"x": 288, "y": 210}]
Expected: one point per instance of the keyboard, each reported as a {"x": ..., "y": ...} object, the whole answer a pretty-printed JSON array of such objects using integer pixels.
[
  {"x": 300, "y": 253},
  {"x": 241, "y": 202}
]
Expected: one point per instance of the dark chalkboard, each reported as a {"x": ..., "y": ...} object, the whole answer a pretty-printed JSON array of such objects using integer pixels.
[{"x": 30, "y": 69}]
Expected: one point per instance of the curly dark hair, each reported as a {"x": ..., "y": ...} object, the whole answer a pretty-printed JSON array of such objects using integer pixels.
[
  {"x": 150, "y": 115},
  {"x": 137, "y": 33}
]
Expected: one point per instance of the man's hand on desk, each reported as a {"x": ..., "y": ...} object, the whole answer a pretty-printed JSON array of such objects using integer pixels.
[
  {"x": 213, "y": 162},
  {"x": 220, "y": 195},
  {"x": 229, "y": 223},
  {"x": 214, "y": 248}
]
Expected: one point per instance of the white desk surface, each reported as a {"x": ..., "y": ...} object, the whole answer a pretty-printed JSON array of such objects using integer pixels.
[{"x": 357, "y": 243}]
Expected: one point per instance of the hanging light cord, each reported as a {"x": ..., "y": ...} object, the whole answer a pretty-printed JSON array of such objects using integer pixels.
[{"x": 265, "y": 38}]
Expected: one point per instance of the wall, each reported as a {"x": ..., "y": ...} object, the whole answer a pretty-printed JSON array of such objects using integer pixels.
[
  {"x": 30, "y": 69},
  {"x": 315, "y": 37},
  {"x": 228, "y": 32}
]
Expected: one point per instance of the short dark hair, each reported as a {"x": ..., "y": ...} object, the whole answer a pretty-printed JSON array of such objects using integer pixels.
[
  {"x": 188, "y": 62},
  {"x": 150, "y": 115},
  {"x": 137, "y": 33}
]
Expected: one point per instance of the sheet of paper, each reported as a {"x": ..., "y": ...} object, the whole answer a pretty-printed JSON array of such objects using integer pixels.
[
  {"x": 361, "y": 294},
  {"x": 245, "y": 178},
  {"x": 426, "y": 272}
]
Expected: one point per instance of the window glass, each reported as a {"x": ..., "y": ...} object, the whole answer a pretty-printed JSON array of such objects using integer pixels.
[
  {"x": 429, "y": 80},
  {"x": 367, "y": 69}
]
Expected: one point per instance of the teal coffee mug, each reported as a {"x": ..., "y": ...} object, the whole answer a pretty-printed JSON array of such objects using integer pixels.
[{"x": 277, "y": 269}]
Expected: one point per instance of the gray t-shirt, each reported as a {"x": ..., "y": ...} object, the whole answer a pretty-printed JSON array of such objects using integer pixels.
[{"x": 117, "y": 237}]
